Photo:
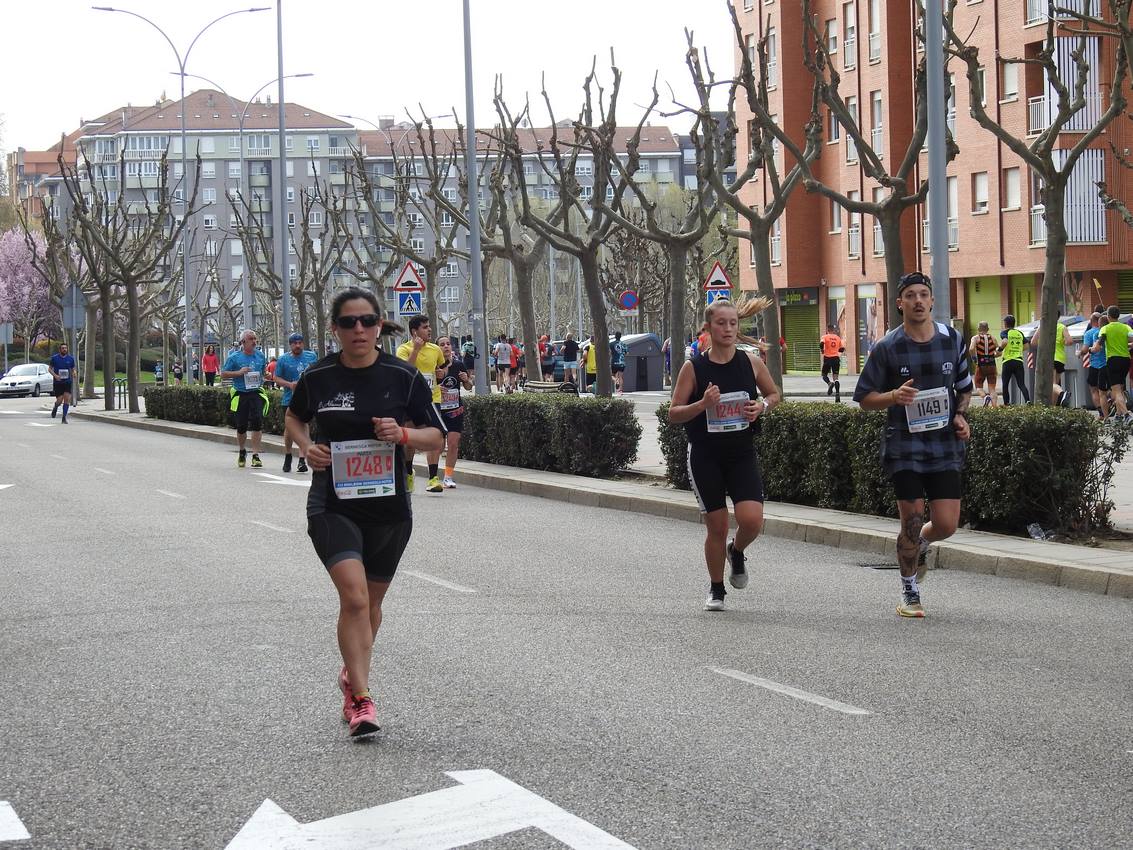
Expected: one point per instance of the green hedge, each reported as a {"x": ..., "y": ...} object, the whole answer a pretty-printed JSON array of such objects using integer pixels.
[
  {"x": 595, "y": 437},
  {"x": 1025, "y": 464}
]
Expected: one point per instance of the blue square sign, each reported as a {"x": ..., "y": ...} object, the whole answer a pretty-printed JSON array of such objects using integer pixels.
[{"x": 409, "y": 303}]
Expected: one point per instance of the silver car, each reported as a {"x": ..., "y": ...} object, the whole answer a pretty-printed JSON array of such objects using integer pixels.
[{"x": 27, "y": 379}]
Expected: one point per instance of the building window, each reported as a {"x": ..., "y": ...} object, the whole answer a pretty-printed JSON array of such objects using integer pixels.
[
  {"x": 1010, "y": 82},
  {"x": 835, "y": 129},
  {"x": 982, "y": 77},
  {"x": 584, "y": 168},
  {"x": 208, "y": 144},
  {"x": 210, "y": 247},
  {"x": 835, "y": 217},
  {"x": 234, "y": 143},
  {"x": 291, "y": 269},
  {"x": 312, "y": 143},
  {"x": 236, "y": 248},
  {"x": 234, "y": 170},
  {"x": 772, "y": 58},
  {"x": 289, "y": 143},
  {"x": 291, "y": 194},
  {"x": 208, "y": 170},
  {"x": 849, "y": 35},
  {"x": 209, "y": 222},
  {"x": 208, "y": 196},
  {"x": 417, "y": 245},
  {"x": 832, "y": 36},
  {"x": 259, "y": 142},
  {"x": 586, "y": 192},
  {"x": 233, "y": 222},
  {"x": 178, "y": 170},
  {"x": 1011, "y": 197},
  {"x": 979, "y": 192},
  {"x": 291, "y": 219},
  {"x": 315, "y": 218},
  {"x": 751, "y": 50},
  {"x": 446, "y": 218}
]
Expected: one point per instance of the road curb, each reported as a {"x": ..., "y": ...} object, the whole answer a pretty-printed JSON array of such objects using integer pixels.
[{"x": 1099, "y": 571}]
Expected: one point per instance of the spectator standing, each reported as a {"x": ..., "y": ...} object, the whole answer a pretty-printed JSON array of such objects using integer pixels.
[{"x": 211, "y": 364}]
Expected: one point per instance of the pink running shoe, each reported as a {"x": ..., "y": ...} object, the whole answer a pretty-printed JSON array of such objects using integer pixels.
[
  {"x": 347, "y": 697},
  {"x": 364, "y": 718}
]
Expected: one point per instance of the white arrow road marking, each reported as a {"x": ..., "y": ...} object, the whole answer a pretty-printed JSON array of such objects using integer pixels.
[
  {"x": 6, "y": 486},
  {"x": 787, "y": 690},
  {"x": 11, "y": 827},
  {"x": 171, "y": 495},
  {"x": 279, "y": 479},
  {"x": 103, "y": 471},
  {"x": 426, "y": 577},
  {"x": 273, "y": 527},
  {"x": 41, "y": 424},
  {"x": 483, "y": 806}
]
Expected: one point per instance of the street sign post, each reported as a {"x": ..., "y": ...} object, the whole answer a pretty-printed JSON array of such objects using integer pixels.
[
  {"x": 5, "y": 340},
  {"x": 74, "y": 308}
]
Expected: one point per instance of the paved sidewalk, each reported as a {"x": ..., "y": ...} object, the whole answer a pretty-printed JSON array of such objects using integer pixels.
[{"x": 1103, "y": 571}]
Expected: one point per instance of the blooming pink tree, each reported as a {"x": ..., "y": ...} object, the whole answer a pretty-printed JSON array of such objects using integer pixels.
[{"x": 24, "y": 297}]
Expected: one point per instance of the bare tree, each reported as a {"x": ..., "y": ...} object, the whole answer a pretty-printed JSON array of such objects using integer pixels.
[{"x": 1052, "y": 164}]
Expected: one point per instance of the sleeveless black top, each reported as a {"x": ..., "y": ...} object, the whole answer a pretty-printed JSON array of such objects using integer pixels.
[{"x": 735, "y": 375}]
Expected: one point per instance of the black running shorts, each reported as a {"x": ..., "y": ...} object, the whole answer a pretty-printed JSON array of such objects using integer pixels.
[
  {"x": 1059, "y": 367},
  {"x": 60, "y": 387},
  {"x": 1098, "y": 377},
  {"x": 913, "y": 486},
  {"x": 831, "y": 364},
  {"x": 377, "y": 545},
  {"x": 1118, "y": 368},
  {"x": 249, "y": 412},
  {"x": 717, "y": 473},
  {"x": 455, "y": 423}
]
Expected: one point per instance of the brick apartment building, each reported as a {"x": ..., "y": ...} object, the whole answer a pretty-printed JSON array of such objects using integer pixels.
[{"x": 829, "y": 265}]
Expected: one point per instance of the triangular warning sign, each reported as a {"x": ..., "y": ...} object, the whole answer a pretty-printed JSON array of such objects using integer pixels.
[
  {"x": 410, "y": 281},
  {"x": 718, "y": 278}
]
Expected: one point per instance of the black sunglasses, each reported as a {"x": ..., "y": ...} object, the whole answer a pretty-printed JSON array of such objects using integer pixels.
[{"x": 348, "y": 322}]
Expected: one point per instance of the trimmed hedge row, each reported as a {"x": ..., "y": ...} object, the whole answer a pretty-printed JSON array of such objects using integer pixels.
[
  {"x": 595, "y": 437},
  {"x": 1025, "y": 464}
]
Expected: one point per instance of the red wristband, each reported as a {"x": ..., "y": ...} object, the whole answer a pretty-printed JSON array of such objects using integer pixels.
[{"x": 404, "y": 437}]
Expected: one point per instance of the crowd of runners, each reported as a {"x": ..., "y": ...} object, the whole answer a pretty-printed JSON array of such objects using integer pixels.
[{"x": 373, "y": 411}]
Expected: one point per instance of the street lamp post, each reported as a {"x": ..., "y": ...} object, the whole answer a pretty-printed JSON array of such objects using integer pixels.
[
  {"x": 182, "y": 61},
  {"x": 245, "y": 286},
  {"x": 478, "y": 337}
]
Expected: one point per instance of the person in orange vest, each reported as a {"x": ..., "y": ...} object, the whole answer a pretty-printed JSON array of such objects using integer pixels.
[{"x": 832, "y": 348}]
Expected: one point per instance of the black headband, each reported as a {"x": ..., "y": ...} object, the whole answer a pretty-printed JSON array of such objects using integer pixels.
[{"x": 913, "y": 279}]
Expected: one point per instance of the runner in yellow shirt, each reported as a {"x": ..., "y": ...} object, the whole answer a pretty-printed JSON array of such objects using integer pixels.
[{"x": 430, "y": 362}]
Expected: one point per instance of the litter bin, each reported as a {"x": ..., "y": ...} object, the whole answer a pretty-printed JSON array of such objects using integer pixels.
[{"x": 645, "y": 363}]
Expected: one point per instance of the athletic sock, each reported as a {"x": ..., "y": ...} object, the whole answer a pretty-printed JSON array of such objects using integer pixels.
[
  {"x": 66, "y": 407},
  {"x": 909, "y": 584},
  {"x": 449, "y": 471},
  {"x": 717, "y": 588},
  {"x": 433, "y": 470},
  {"x": 825, "y": 380},
  {"x": 362, "y": 694}
]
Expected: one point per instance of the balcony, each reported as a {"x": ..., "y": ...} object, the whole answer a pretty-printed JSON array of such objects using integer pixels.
[
  {"x": 1037, "y": 120},
  {"x": 260, "y": 205},
  {"x": 854, "y": 241},
  {"x": 386, "y": 206},
  {"x": 877, "y": 141},
  {"x": 104, "y": 157},
  {"x": 337, "y": 178},
  {"x": 338, "y": 151},
  {"x": 953, "y": 235},
  {"x": 259, "y": 181},
  {"x": 875, "y": 47},
  {"x": 153, "y": 154},
  {"x": 878, "y": 241},
  {"x": 850, "y": 52},
  {"x": 1038, "y": 225},
  {"x": 776, "y": 250}
]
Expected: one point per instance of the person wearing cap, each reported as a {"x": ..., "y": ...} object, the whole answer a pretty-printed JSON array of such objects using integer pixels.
[
  {"x": 918, "y": 373},
  {"x": 288, "y": 369}
]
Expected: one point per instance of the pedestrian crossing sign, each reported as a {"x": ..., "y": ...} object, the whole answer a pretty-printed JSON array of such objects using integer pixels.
[
  {"x": 408, "y": 303},
  {"x": 711, "y": 295}
]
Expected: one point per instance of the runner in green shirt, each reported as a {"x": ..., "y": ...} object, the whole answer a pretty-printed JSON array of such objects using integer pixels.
[{"x": 1115, "y": 340}]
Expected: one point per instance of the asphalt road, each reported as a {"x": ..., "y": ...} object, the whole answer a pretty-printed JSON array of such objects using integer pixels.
[{"x": 168, "y": 664}]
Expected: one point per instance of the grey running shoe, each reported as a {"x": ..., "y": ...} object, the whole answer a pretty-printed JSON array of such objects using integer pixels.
[{"x": 737, "y": 574}]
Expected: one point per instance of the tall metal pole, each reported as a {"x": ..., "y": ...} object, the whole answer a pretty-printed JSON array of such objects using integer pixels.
[
  {"x": 510, "y": 302},
  {"x": 578, "y": 293},
  {"x": 281, "y": 202},
  {"x": 551, "y": 279},
  {"x": 185, "y": 195},
  {"x": 937, "y": 177},
  {"x": 478, "y": 337}
]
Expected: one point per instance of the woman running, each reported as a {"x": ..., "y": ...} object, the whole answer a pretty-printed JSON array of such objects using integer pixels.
[
  {"x": 358, "y": 510},
  {"x": 717, "y": 399}
]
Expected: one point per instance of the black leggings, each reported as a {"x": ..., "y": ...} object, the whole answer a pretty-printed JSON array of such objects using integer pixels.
[{"x": 1014, "y": 369}]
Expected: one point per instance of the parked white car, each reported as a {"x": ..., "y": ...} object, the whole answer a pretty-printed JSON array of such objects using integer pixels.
[{"x": 27, "y": 379}]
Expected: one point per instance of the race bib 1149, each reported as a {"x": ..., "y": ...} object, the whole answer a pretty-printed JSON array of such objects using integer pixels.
[{"x": 930, "y": 410}]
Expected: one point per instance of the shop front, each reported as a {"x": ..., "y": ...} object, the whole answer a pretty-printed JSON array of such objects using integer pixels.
[
  {"x": 802, "y": 326},
  {"x": 870, "y": 313}
]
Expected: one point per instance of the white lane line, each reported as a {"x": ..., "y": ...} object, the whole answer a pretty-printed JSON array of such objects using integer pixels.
[
  {"x": 40, "y": 424},
  {"x": 6, "y": 486},
  {"x": 59, "y": 457},
  {"x": 171, "y": 495},
  {"x": 426, "y": 577},
  {"x": 13, "y": 412},
  {"x": 787, "y": 690},
  {"x": 103, "y": 471},
  {"x": 268, "y": 478},
  {"x": 11, "y": 827},
  {"x": 273, "y": 527},
  {"x": 23, "y": 445}
]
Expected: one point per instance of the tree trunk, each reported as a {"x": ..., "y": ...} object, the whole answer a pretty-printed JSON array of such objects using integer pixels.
[
  {"x": 133, "y": 345},
  {"x": 678, "y": 269},
  {"x": 601, "y": 330},
  {"x": 526, "y": 298},
  {"x": 89, "y": 346},
  {"x": 1054, "y": 198},
  {"x": 430, "y": 305},
  {"x": 319, "y": 333},
  {"x": 894, "y": 267},
  {"x": 108, "y": 355},
  {"x": 304, "y": 320},
  {"x": 761, "y": 249}
]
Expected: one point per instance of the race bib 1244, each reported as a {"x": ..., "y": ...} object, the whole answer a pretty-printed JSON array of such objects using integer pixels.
[{"x": 728, "y": 413}]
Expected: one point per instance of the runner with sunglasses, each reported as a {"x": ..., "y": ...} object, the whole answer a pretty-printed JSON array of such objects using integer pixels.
[{"x": 359, "y": 515}]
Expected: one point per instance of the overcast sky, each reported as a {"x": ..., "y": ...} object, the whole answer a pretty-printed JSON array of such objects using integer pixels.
[{"x": 62, "y": 61}]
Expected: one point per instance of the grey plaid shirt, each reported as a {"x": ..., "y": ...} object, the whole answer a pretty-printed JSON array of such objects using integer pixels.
[{"x": 941, "y": 362}]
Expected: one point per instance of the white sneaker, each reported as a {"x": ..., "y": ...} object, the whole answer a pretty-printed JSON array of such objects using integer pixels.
[
  {"x": 449, "y": 484},
  {"x": 713, "y": 604}
]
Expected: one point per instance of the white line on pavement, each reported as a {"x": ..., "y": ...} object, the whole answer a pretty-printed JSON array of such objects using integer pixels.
[
  {"x": 268, "y": 478},
  {"x": 103, "y": 471},
  {"x": 787, "y": 690},
  {"x": 59, "y": 457},
  {"x": 5, "y": 486},
  {"x": 273, "y": 527},
  {"x": 23, "y": 445},
  {"x": 426, "y": 577},
  {"x": 11, "y": 827},
  {"x": 171, "y": 495},
  {"x": 40, "y": 424},
  {"x": 13, "y": 412}
]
